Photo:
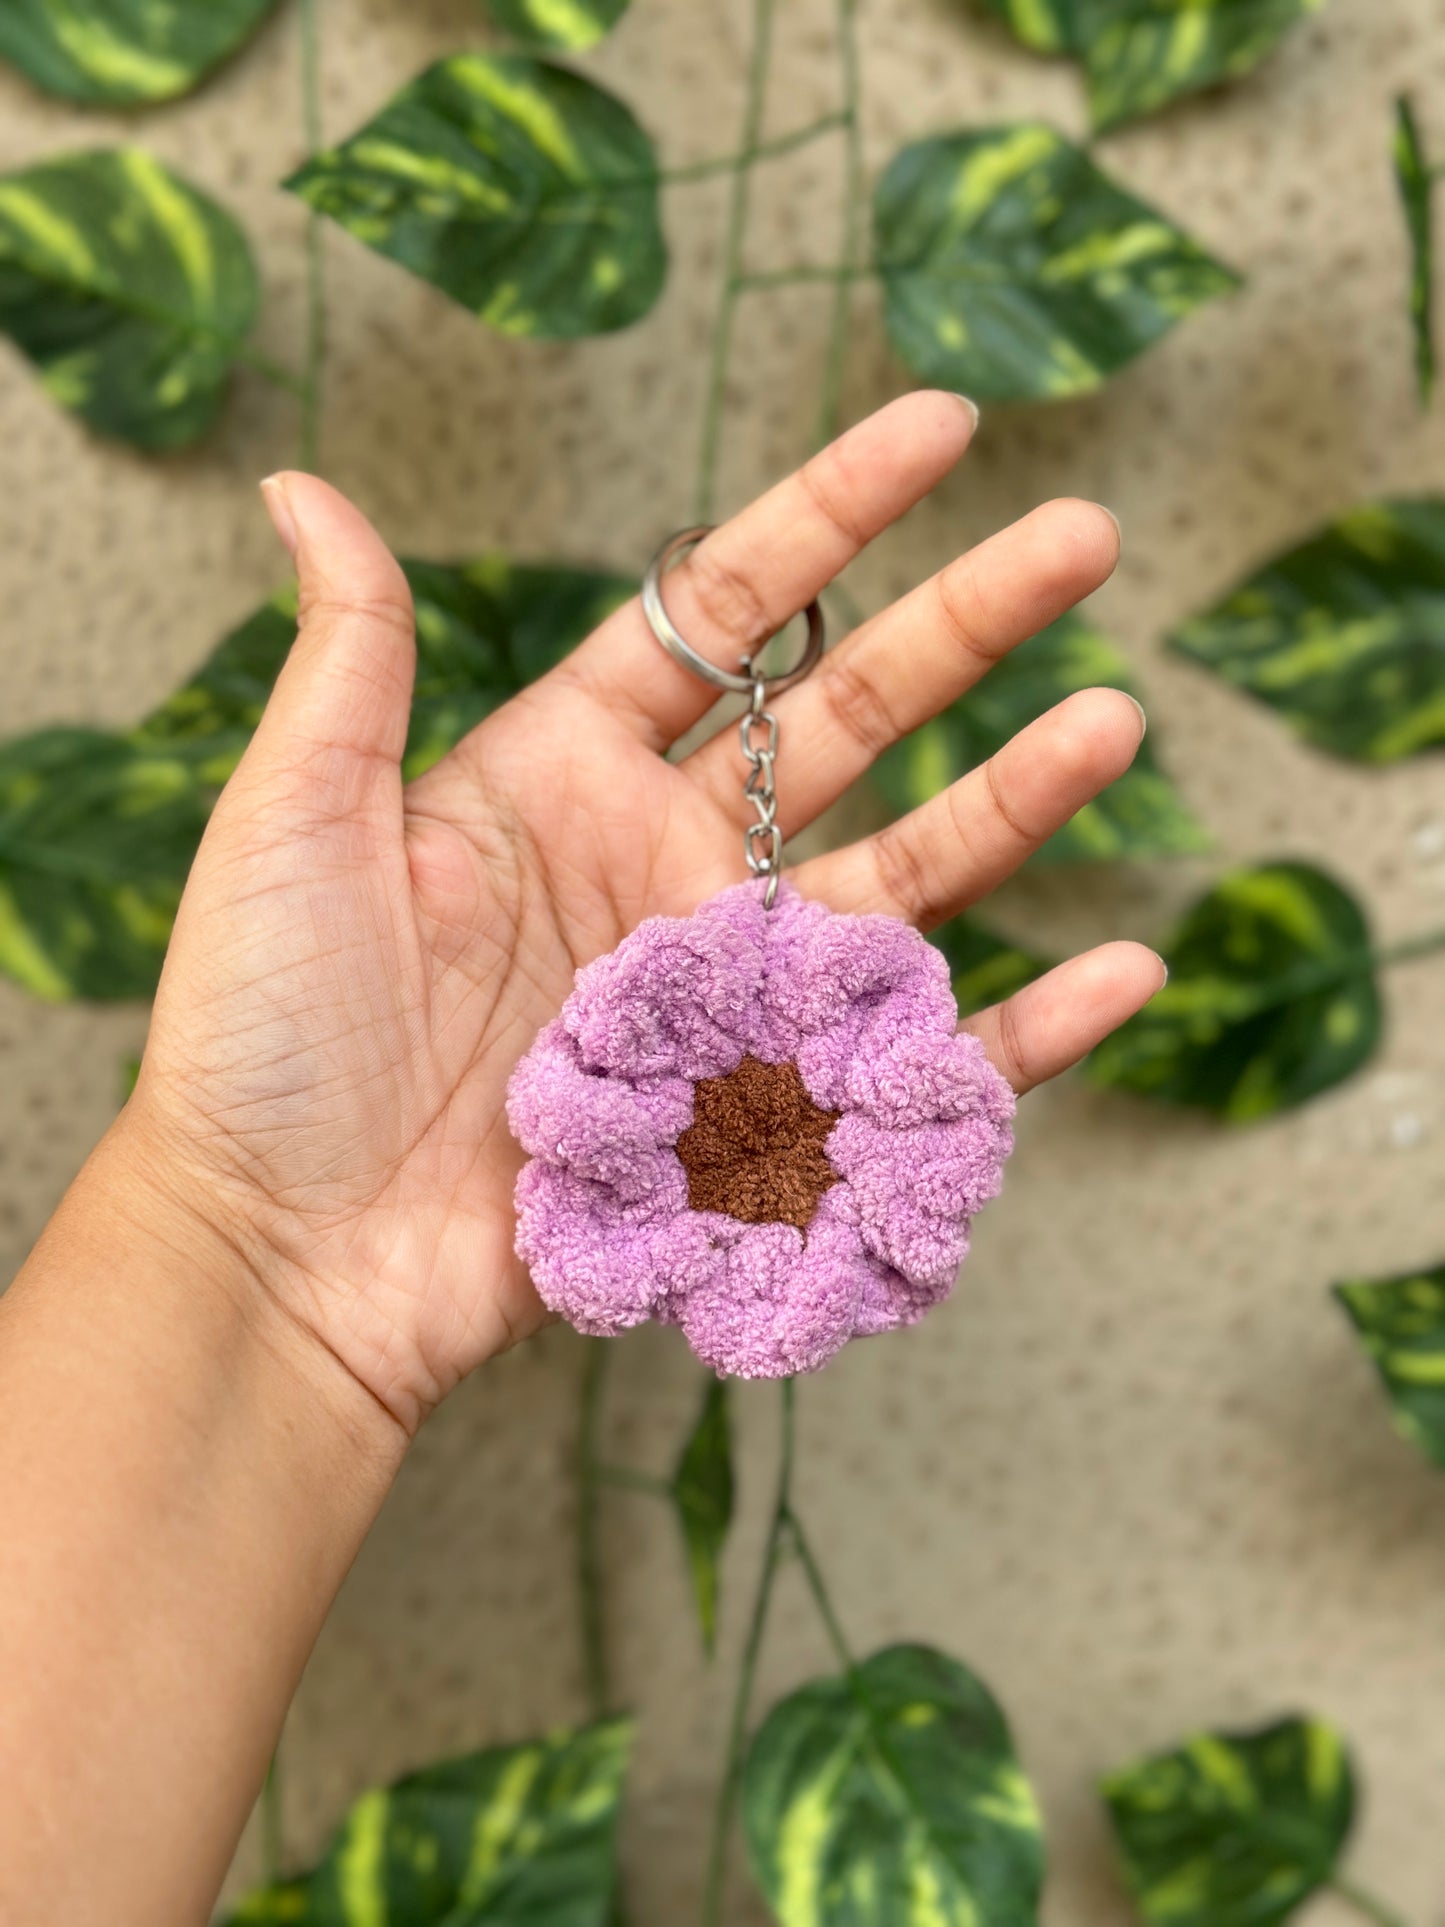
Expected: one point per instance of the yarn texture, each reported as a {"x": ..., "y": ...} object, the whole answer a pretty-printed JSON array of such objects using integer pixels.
[{"x": 760, "y": 1125}]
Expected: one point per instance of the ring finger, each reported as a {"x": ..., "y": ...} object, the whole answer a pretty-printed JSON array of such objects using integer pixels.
[
  {"x": 916, "y": 657},
  {"x": 964, "y": 842}
]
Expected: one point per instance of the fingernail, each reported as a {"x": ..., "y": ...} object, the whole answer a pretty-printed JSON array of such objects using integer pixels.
[
  {"x": 1143, "y": 719},
  {"x": 273, "y": 494},
  {"x": 971, "y": 405},
  {"x": 1163, "y": 972},
  {"x": 1114, "y": 519}
]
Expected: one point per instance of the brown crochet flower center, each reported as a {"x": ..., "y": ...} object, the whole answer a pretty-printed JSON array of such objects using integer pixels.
[{"x": 755, "y": 1146}]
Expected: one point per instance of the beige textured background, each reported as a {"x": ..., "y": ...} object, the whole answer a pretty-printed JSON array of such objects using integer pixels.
[{"x": 1136, "y": 1473}]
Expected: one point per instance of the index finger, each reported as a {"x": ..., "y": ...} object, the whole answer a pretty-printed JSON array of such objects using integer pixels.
[{"x": 755, "y": 572}]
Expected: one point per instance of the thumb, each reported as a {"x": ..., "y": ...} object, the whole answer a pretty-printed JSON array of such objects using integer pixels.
[{"x": 342, "y": 701}]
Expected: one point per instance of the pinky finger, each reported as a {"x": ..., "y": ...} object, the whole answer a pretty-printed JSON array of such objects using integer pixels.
[{"x": 1053, "y": 1022}]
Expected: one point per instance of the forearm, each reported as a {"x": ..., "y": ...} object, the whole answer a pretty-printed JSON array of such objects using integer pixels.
[{"x": 185, "y": 1477}]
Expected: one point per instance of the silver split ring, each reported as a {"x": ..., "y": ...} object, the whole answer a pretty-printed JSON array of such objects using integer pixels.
[{"x": 742, "y": 682}]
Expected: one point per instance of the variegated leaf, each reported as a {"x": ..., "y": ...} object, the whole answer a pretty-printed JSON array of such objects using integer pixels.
[
  {"x": 1416, "y": 180},
  {"x": 1138, "y": 55},
  {"x": 1344, "y": 635},
  {"x": 123, "y": 52},
  {"x": 892, "y": 1798},
  {"x": 1233, "y": 1829},
  {"x": 702, "y": 1491},
  {"x": 1141, "y": 54},
  {"x": 569, "y": 25},
  {"x": 1014, "y": 269},
  {"x": 97, "y": 832},
  {"x": 985, "y": 967},
  {"x": 1401, "y": 1323},
  {"x": 1140, "y": 815},
  {"x": 1271, "y": 999},
  {"x": 485, "y": 629},
  {"x": 517, "y": 1836},
  {"x": 96, "y": 838},
  {"x": 129, "y": 289},
  {"x": 1045, "y": 26},
  {"x": 521, "y": 190}
]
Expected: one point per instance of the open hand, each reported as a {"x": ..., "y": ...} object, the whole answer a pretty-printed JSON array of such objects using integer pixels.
[{"x": 358, "y": 964}]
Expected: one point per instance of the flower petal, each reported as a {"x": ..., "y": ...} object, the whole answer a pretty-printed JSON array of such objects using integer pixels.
[
  {"x": 846, "y": 963},
  {"x": 602, "y": 1264},
  {"x": 911, "y": 1192},
  {"x": 678, "y": 998},
  {"x": 778, "y": 1306},
  {"x": 913, "y": 1077},
  {"x": 787, "y": 939},
  {"x": 600, "y": 1127}
]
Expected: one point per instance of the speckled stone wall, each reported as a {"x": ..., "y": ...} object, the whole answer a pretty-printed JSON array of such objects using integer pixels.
[{"x": 1136, "y": 1472}]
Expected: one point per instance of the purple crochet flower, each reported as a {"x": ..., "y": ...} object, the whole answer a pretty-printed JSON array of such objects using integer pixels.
[{"x": 762, "y": 1126}]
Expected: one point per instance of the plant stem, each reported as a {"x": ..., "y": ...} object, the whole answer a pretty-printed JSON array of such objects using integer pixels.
[
  {"x": 828, "y": 408},
  {"x": 310, "y": 449},
  {"x": 623, "y": 1475},
  {"x": 803, "y": 272},
  {"x": 1316, "y": 974},
  {"x": 763, "y": 151},
  {"x": 1407, "y": 951},
  {"x": 589, "y": 1557},
  {"x": 722, "y": 336},
  {"x": 712, "y": 1906},
  {"x": 853, "y": 613},
  {"x": 1364, "y": 1903},
  {"x": 269, "y": 370},
  {"x": 273, "y": 1833},
  {"x": 857, "y": 1686},
  {"x": 816, "y": 1585}
]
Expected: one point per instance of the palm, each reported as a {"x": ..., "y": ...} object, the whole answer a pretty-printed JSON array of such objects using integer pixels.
[{"x": 373, "y": 961}]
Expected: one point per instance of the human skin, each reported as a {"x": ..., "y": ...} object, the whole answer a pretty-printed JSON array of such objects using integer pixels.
[{"x": 297, "y": 1237}]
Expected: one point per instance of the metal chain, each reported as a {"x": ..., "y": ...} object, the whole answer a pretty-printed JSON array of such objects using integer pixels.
[{"x": 763, "y": 840}]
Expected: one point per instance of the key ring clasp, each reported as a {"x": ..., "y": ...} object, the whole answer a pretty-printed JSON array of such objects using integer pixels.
[
  {"x": 758, "y": 728},
  {"x": 741, "y": 682}
]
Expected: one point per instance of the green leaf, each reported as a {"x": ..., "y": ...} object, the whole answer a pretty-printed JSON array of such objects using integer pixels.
[
  {"x": 1139, "y": 55},
  {"x": 129, "y": 289},
  {"x": 1045, "y": 26},
  {"x": 1013, "y": 269},
  {"x": 1233, "y": 1829},
  {"x": 1416, "y": 183},
  {"x": 892, "y": 1798},
  {"x": 96, "y": 838},
  {"x": 488, "y": 628},
  {"x": 1401, "y": 1323},
  {"x": 569, "y": 25},
  {"x": 210, "y": 719},
  {"x": 506, "y": 1838},
  {"x": 1271, "y": 999},
  {"x": 1140, "y": 815},
  {"x": 702, "y": 1490},
  {"x": 485, "y": 629},
  {"x": 523, "y": 191},
  {"x": 97, "y": 832},
  {"x": 1344, "y": 635},
  {"x": 123, "y": 52},
  {"x": 986, "y": 968}
]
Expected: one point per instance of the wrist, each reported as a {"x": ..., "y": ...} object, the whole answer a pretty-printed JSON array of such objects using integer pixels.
[{"x": 187, "y": 1479}]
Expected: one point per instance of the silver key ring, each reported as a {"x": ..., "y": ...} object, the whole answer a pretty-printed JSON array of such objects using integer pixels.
[{"x": 741, "y": 682}]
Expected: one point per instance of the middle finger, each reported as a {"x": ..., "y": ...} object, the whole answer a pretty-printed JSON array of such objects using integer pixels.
[{"x": 902, "y": 667}]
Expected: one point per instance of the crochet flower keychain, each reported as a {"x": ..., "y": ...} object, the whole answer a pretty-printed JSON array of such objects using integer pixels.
[{"x": 759, "y": 1122}]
